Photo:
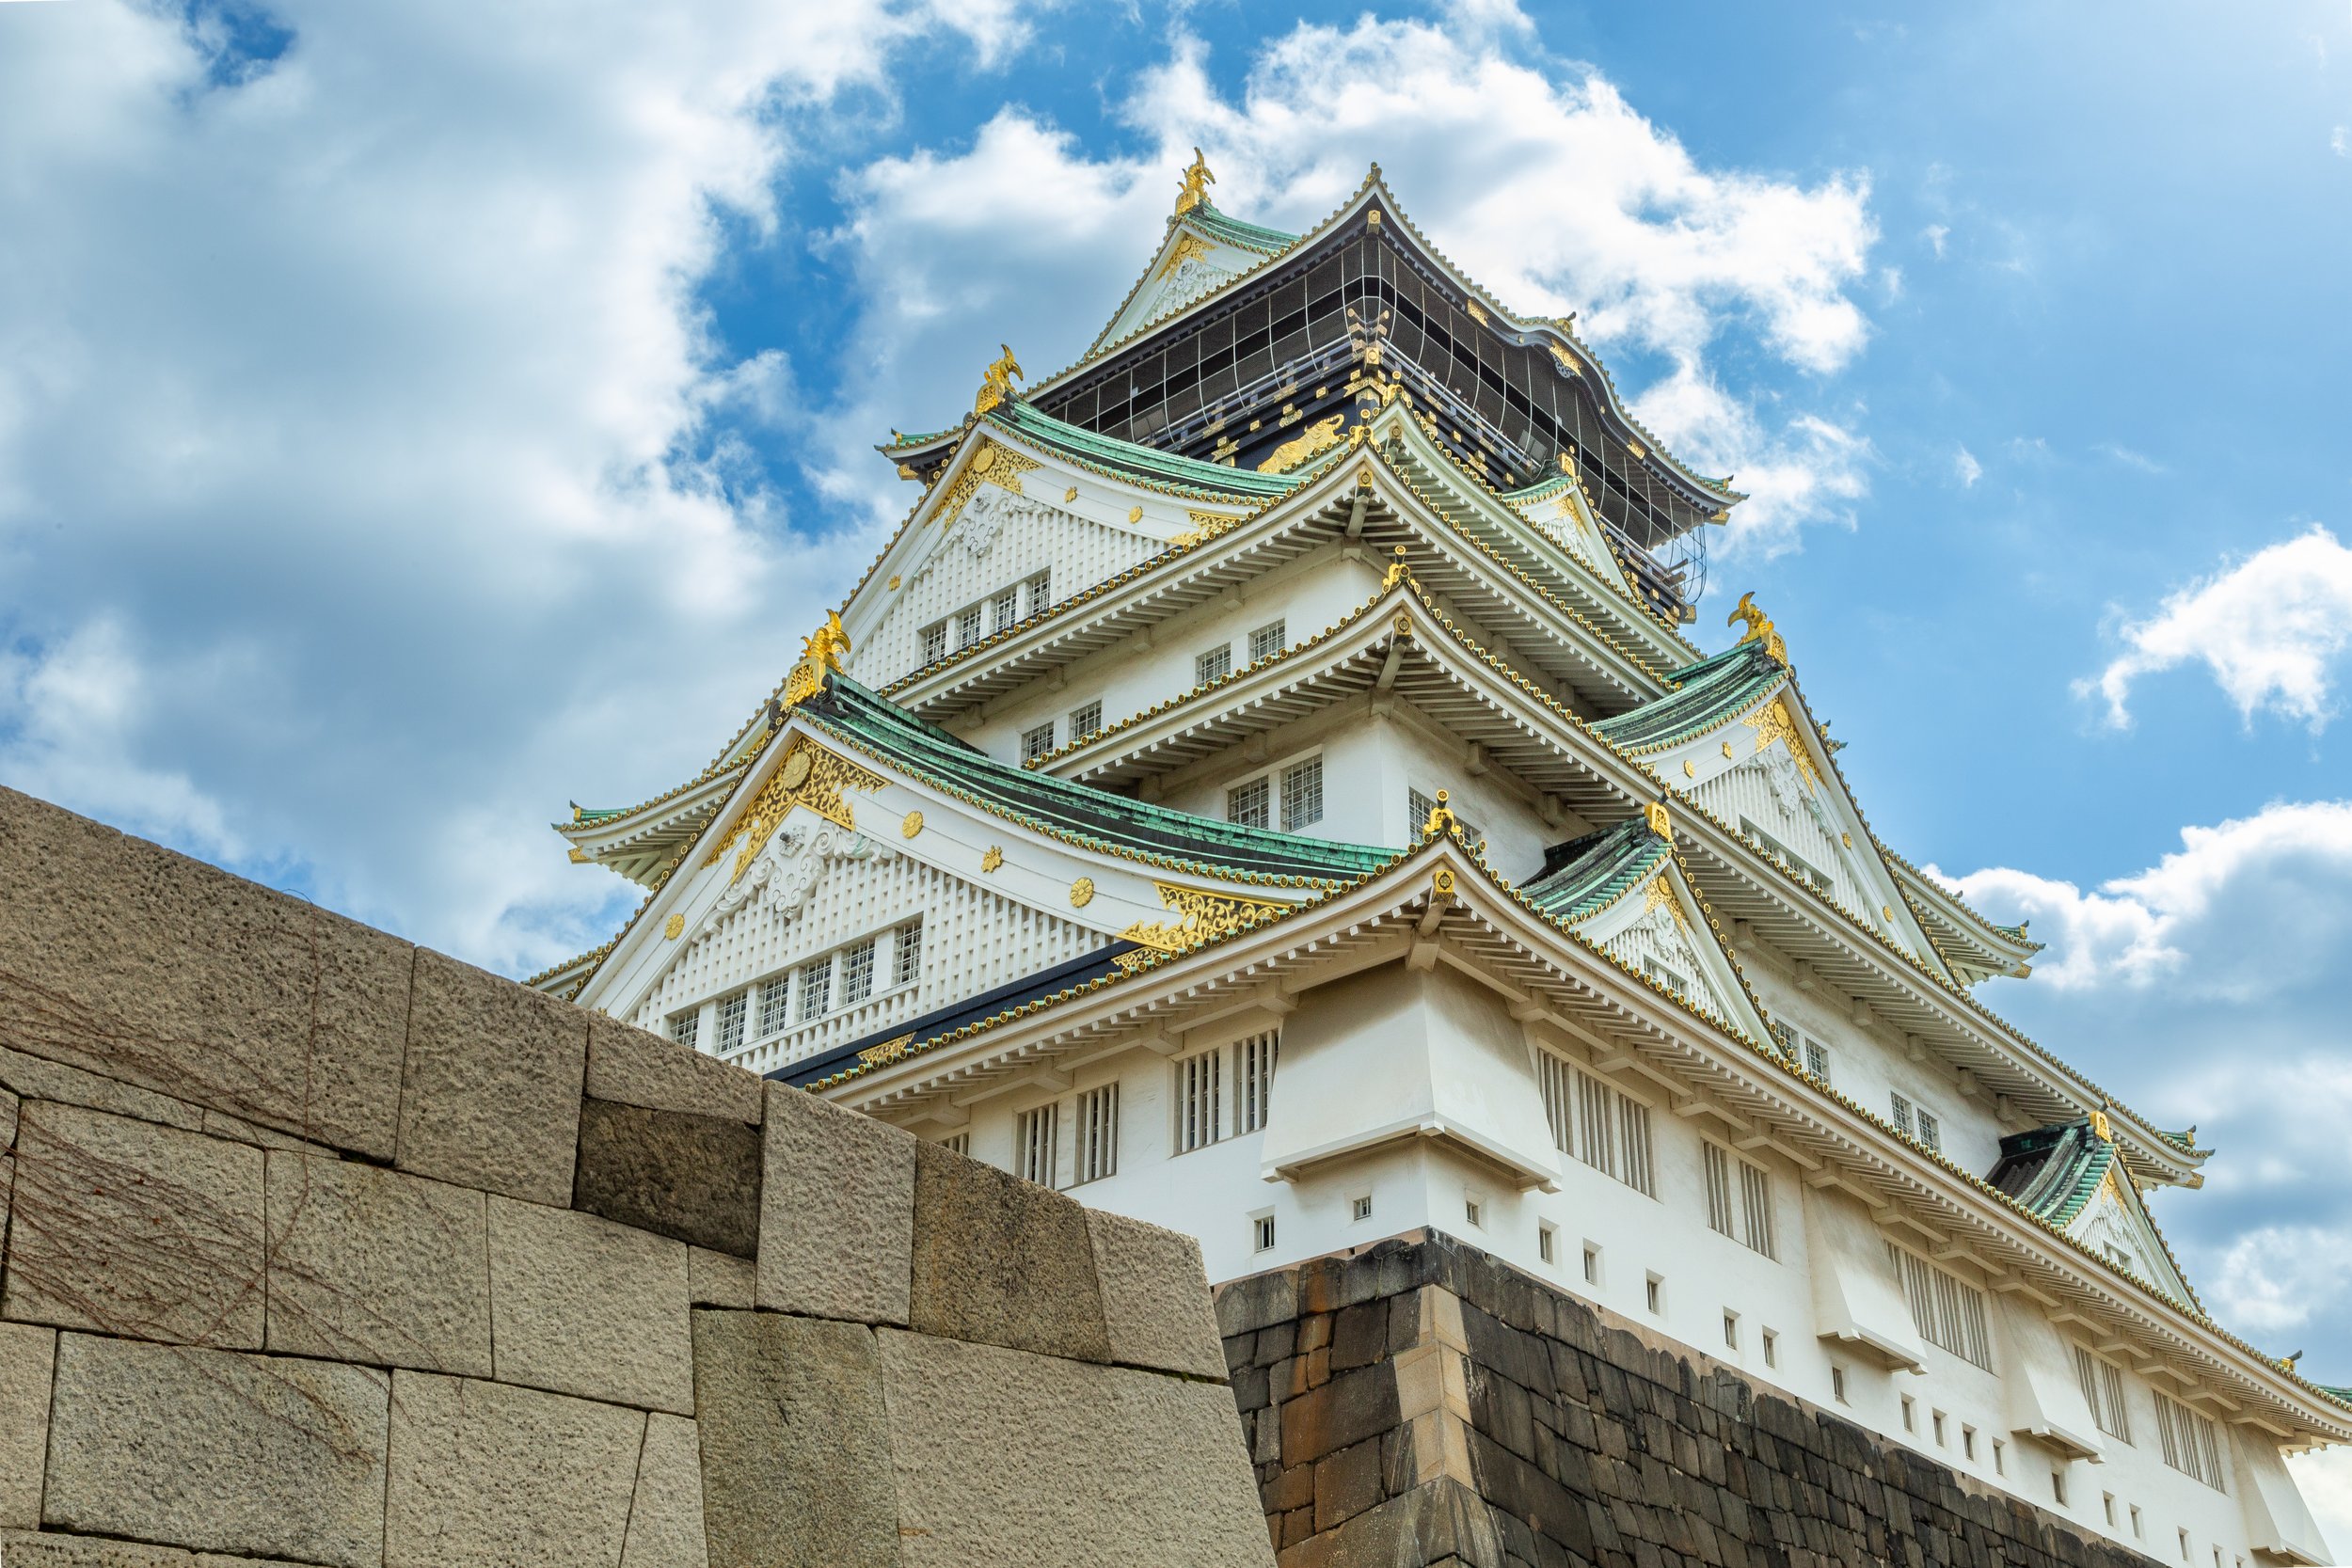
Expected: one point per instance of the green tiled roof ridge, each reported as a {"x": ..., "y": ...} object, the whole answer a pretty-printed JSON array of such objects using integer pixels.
[
  {"x": 1706, "y": 695},
  {"x": 1597, "y": 870},
  {"x": 1224, "y": 225},
  {"x": 1021, "y": 419},
  {"x": 1071, "y": 807}
]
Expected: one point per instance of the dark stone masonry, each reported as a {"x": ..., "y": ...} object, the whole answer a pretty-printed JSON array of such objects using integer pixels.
[{"x": 1420, "y": 1403}]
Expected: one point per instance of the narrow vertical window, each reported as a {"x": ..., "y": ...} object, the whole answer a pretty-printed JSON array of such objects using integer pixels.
[
  {"x": 1004, "y": 609},
  {"x": 817, "y": 988},
  {"x": 907, "y": 958},
  {"x": 1034, "y": 1136},
  {"x": 1040, "y": 591},
  {"x": 1817, "y": 1060},
  {"x": 1546, "y": 1241},
  {"x": 1197, "y": 1101},
  {"x": 968, "y": 627},
  {"x": 1551, "y": 1075},
  {"x": 1901, "y": 1108},
  {"x": 1931, "y": 1130},
  {"x": 935, "y": 642},
  {"x": 1253, "y": 1079},
  {"x": 857, "y": 972},
  {"x": 1717, "y": 1189},
  {"x": 958, "y": 1143},
  {"x": 1302, "y": 795},
  {"x": 774, "y": 998},
  {"x": 685, "y": 1025},
  {"x": 732, "y": 1009},
  {"x": 1755, "y": 1208},
  {"x": 1262, "y": 1233},
  {"x": 1098, "y": 1133}
]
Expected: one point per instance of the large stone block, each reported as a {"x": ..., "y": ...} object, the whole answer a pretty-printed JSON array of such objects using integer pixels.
[
  {"x": 1155, "y": 1296},
  {"x": 486, "y": 1476},
  {"x": 491, "y": 1095},
  {"x": 694, "y": 1177},
  {"x": 1003, "y": 1457},
  {"x": 1002, "y": 1260},
  {"x": 33, "y": 1077},
  {"x": 134, "y": 1228},
  {"x": 630, "y": 1067},
  {"x": 145, "y": 966},
  {"x": 836, "y": 1212},
  {"x": 367, "y": 1264},
  {"x": 28, "y": 1357},
  {"x": 795, "y": 1443},
  {"x": 267, "y": 1456},
  {"x": 29, "y": 1549},
  {"x": 583, "y": 1305},
  {"x": 665, "y": 1515},
  {"x": 716, "y": 1280}
]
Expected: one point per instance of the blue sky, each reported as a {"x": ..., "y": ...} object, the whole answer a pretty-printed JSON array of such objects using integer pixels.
[{"x": 410, "y": 421}]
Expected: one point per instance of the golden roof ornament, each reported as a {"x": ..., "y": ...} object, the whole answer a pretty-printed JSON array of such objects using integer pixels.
[
  {"x": 2100, "y": 1125},
  {"x": 1195, "y": 191},
  {"x": 1396, "y": 571},
  {"x": 1442, "y": 819},
  {"x": 1659, "y": 823},
  {"x": 819, "y": 655},
  {"x": 996, "y": 381},
  {"x": 1759, "y": 629}
]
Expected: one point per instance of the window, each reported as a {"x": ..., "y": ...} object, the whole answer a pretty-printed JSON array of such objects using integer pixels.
[
  {"x": 684, "y": 1026},
  {"x": 1772, "y": 1348},
  {"x": 1004, "y": 609},
  {"x": 1474, "y": 1213},
  {"x": 2138, "y": 1531},
  {"x": 1968, "y": 1442},
  {"x": 1302, "y": 795},
  {"x": 1911, "y": 1415},
  {"x": 1935, "y": 1423},
  {"x": 1085, "y": 720},
  {"x": 1785, "y": 1038},
  {"x": 1036, "y": 742},
  {"x": 1214, "y": 665},
  {"x": 1546, "y": 1241},
  {"x": 857, "y": 972},
  {"x": 1262, "y": 1233},
  {"x": 1803, "y": 868},
  {"x": 1040, "y": 589},
  {"x": 2000, "y": 1457},
  {"x": 1247, "y": 804},
  {"x": 935, "y": 642},
  {"x": 1949, "y": 1311},
  {"x": 1599, "y": 1124},
  {"x": 2190, "y": 1442},
  {"x": 1033, "y": 1144},
  {"x": 816, "y": 989},
  {"x": 1817, "y": 1060},
  {"x": 958, "y": 1143},
  {"x": 968, "y": 627},
  {"x": 1837, "y": 1384},
  {"x": 1098, "y": 1133},
  {"x": 2103, "y": 1391},
  {"x": 1900, "y": 1106},
  {"x": 1253, "y": 1079},
  {"x": 1931, "y": 1130},
  {"x": 1197, "y": 1101},
  {"x": 732, "y": 1009},
  {"x": 1731, "y": 1331},
  {"x": 775, "y": 997},
  {"x": 2057, "y": 1486},
  {"x": 2184, "y": 1546},
  {"x": 1592, "y": 1266},
  {"x": 906, "y": 960},
  {"x": 1360, "y": 1207},
  {"x": 2107, "y": 1506},
  {"x": 1739, "y": 1200},
  {"x": 1654, "y": 1294},
  {"x": 1267, "y": 641}
]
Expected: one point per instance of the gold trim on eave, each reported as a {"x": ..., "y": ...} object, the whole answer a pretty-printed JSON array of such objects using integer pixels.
[{"x": 810, "y": 776}]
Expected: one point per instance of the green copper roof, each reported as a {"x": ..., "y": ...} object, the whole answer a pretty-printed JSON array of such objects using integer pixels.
[
  {"x": 2053, "y": 1171},
  {"x": 1249, "y": 237},
  {"x": 1144, "y": 463},
  {"x": 881, "y": 729},
  {"x": 599, "y": 813},
  {"x": 1710, "y": 692},
  {"x": 1585, "y": 875}
]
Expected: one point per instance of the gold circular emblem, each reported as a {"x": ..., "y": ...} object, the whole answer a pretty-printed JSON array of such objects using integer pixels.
[
  {"x": 984, "y": 460},
  {"x": 1443, "y": 881},
  {"x": 678, "y": 923},
  {"x": 995, "y": 858},
  {"x": 912, "y": 825},
  {"x": 794, "y": 772},
  {"x": 1082, "y": 892}
]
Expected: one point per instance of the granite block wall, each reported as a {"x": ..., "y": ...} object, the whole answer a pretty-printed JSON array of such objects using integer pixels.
[
  {"x": 320, "y": 1248},
  {"x": 1420, "y": 1403}
]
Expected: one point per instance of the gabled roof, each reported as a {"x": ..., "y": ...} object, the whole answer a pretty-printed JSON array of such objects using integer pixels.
[
  {"x": 1148, "y": 464},
  {"x": 1201, "y": 222},
  {"x": 1586, "y": 875},
  {"x": 2053, "y": 1171},
  {"x": 1707, "y": 695}
]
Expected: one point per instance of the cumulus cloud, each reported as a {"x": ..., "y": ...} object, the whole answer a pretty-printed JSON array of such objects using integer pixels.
[
  {"x": 2269, "y": 629},
  {"x": 1545, "y": 183},
  {"x": 361, "y": 489},
  {"x": 1966, "y": 468}
]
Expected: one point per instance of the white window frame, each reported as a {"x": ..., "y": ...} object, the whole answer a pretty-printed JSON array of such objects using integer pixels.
[
  {"x": 1256, "y": 1057},
  {"x": 1197, "y": 1098},
  {"x": 1085, "y": 720},
  {"x": 685, "y": 1025},
  {"x": 1260, "y": 811},
  {"x": 1095, "y": 1152},
  {"x": 934, "y": 642},
  {"x": 1268, "y": 639},
  {"x": 1211, "y": 665},
  {"x": 1037, "y": 1143},
  {"x": 1037, "y": 741}
]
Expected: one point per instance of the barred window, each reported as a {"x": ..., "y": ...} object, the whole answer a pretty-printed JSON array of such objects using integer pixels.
[
  {"x": 958, "y": 1143},
  {"x": 2190, "y": 1443},
  {"x": 1197, "y": 1101},
  {"x": 1901, "y": 1108},
  {"x": 1098, "y": 1133},
  {"x": 731, "y": 1011},
  {"x": 1606, "y": 1128},
  {"x": 1786, "y": 1039},
  {"x": 1253, "y": 1079},
  {"x": 1551, "y": 1075},
  {"x": 1267, "y": 641},
  {"x": 968, "y": 627},
  {"x": 1033, "y": 1144},
  {"x": 2103, "y": 1391},
  {"x": 1005, "y": 609},
  {"x": 857, "y": 972},
  {"x": 1666, "y": 978},
  {"x": 1755, "y": 1209},
  {"x": 1248, "y": 804},
  {"x": 1931, "y": 1130},
  {"x": 1739, "y": 1200},
  {"x": 1214, "y": 665},
  {"x": 907, "y": 960},
  {"x": 1085, "y": 720},
  {"x": 1947, "y": 1311},
  {"x": 935, "y": 642},
  {"x": 1040, "y": 591},
  {"x": 1817, "y": 1060},
  {"x": 1036, "y": 742},
  {"x": 1302, "y": 795},
  {"x": 685, "y": 1025},
  {"x": 1804, "y": 869},
  {"x": 1717, "y": 1189},
  {"x": 774, "y": 998},
  {"x": 817, "y": 988}
]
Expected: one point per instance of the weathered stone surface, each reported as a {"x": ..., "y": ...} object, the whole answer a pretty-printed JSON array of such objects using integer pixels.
[
  {"x": 583, "y": 1305},
  {"x": 491, "y": 1095},
  {"x": 795, "y": 1443},
  {"x": 367, "y": 1264},
  {"x": 694, "y": 1177},
  {"x": 142, "y": 965},
  {"x": 715, "y": 1279},
  {"x": 9, "y": 1104},
  {"x": 268, "y": 1456},
  {"x": 1155, "y": 1296},
  {"x": 1115, "y": 1466},
  {"x": 134, "y": 1228},
  {"x": 36, "y": 1078},
  {"x": 486, "y": 1476},
  {"x": 28, "y": 1549},
  {"x": 630, "y": 1067},
  {"x": 1002, "y": 1260},
  {"x": 836, "y": 1212},
  {"x": 665, "y": 1515},
  {"x": 28, "y": 1359}
]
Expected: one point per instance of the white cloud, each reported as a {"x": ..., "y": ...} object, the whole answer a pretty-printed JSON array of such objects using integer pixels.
[
  {"x": 2269, "y": 1280},
  {"x": 2271, "y": 629},
  {"x": 1936, "y": 234},
  {"x": 2116, "y": 452},
  {"x": 2324, "y": 1477},
  {"x": 358, "y": 493},
  {"x": 1546, "y": 185},
  {"x": 2340, "y": 141},
  {"x": 1967, "y": 468}
]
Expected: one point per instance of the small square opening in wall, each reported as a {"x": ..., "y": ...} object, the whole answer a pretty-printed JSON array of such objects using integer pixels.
[
  {"x": 1360, "y": 1208},
  {"x": 1936, "y": 1420},
  {"x": 1837, "y": 1384},
  {"x": 1546, "y": 1241},
  {"x": 1654, "y": 1294},
  {"x": 1911, "y": 1415},
  {"x": 1772, "y": 1348},
  {"x": 2139, "y": 1528},
  {"x": 1592, "y": 1264},
  {"x": 1262, "y": 1232},
  {"x": 2058, "y": 1487},
  {"x": 2000, "y": 1457},
  {"x": 1731, "y": 1331},
  {"x": 2107, "y": 1504},
  {"x": 1968, "y": 1442},
  {"x": 1474, "y": 1212}
]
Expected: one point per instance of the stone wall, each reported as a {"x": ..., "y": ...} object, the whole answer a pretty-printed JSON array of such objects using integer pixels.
[
  {"x": 323, "y": 1248},
  {"x": 1420, "y": 1402}
]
